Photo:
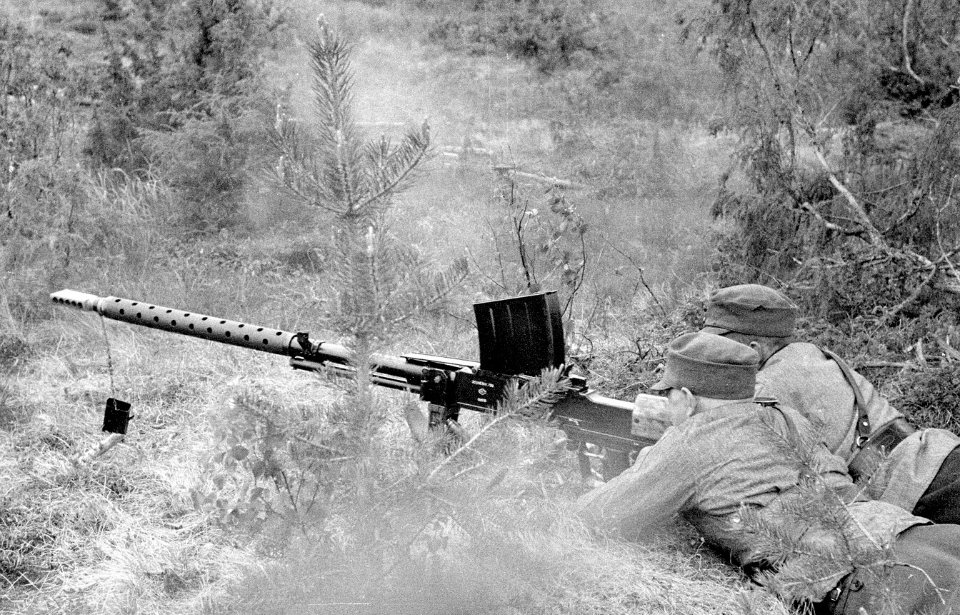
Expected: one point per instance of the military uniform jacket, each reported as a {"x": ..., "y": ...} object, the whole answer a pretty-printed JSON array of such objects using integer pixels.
[
  {"x": 802, "y": 377},
  {"x": 729, "y": 471}
]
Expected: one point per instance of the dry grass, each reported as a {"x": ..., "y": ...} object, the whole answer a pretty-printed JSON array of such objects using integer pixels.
[
  {"x": 528, "y": 556},
  {"x": 122, "y": 536},
  {"x": 121, "y": 533}
]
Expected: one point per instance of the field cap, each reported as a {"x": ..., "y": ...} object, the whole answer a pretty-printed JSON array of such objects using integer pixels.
[
  {"x": 750, "y": 309},
  {"x": 711, "y": 366}
]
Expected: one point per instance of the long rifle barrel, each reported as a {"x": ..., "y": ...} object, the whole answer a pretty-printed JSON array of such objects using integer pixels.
[
  {"x": 185, "y": 323},
  {"x": 393, "y": 372}
]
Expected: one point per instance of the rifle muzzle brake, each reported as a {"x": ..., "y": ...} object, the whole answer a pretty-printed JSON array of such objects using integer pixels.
[{"x": 76, "y": 299}]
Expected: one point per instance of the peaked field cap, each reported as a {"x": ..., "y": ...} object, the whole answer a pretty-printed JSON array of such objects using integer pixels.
[
  {"x": 750, "y": 309},
  {"x": 711, "y": 366}
]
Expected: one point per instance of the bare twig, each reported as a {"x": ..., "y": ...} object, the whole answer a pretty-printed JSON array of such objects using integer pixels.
[
  {"x": 912, "y": 210},
  {"x": 479, "y": 269},
  {"x": 881, "y": 364},
  {"x": 949, "y": 350},
  {"x": 525, "y": 264},
  {"x": 568, "y": 306},
  {"x": 640, "y": 273},
  {"x": 945, "y": 255},
  {"x": 861, "y": 214},
  {"x": 908, "y": 68},
  {"x": 807, "y": 207}
]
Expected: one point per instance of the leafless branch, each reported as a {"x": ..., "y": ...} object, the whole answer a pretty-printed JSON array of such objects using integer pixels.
[
  {"x": 874, "y": 236},
  {"x": 807, "y": 207},
  {"x": 567, "y": 307},
  {"x": 907, "y": 10},
  {"x": 639, "y": 269},
  {"x": 911, "y": 212},
  {"x": 862, "y": 218},
  {"x": 881, "y": 364},
  {"x": 479, "y": 269}
]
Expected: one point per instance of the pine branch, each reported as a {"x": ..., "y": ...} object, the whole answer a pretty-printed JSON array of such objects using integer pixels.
[
  {"x": 392, "y": 168},
  {"x": 533, "y": 400},
  {"x": 815, "y": 535},
  {"x": 341, "y": 156},
  {"x": 445, "y": 281},
  {"x": 332, "y": 85},
  {"x": 427, "y": 286},
  {"x": 298, "y": 170}
]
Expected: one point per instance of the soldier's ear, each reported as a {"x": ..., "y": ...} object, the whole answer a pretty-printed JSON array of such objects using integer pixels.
[{"x": 689, "y": 400}]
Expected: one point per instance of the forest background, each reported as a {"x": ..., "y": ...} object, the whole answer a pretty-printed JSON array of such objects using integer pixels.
[{"x": 632, "y": 158}]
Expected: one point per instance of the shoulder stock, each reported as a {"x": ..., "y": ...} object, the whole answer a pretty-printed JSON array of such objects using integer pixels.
[{"x": 612, "y": 423}]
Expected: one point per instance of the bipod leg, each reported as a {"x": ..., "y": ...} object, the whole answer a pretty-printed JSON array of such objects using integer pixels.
[{"x": 444, "y": 424}]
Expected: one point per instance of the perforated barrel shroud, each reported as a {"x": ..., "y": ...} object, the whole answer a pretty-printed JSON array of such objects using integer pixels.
[{"x": 197, "y": 325}]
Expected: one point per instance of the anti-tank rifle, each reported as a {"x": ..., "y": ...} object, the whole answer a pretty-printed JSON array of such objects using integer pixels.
[{"x": 519, "y": 338}]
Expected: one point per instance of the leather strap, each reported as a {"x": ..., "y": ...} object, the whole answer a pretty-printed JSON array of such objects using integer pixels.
[
  {"x": 863, "y": 420},
  {"x": 868, "y": 459}
]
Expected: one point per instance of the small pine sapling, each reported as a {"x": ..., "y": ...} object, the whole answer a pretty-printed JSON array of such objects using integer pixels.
[
  {"x": 334, "y": 171},
  {"x": 811, "y": 539}
]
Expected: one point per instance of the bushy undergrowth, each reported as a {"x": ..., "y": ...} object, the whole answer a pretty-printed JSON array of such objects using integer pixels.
[
  {"x": 844, "y": 199},
  {"x": 854, "y": 210},
  {"x": 113, "y": 165},
  {"x": 555, "y": 34},
  {"x": 182, "y": 96},
  {"x": 39, "y": 179}
]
